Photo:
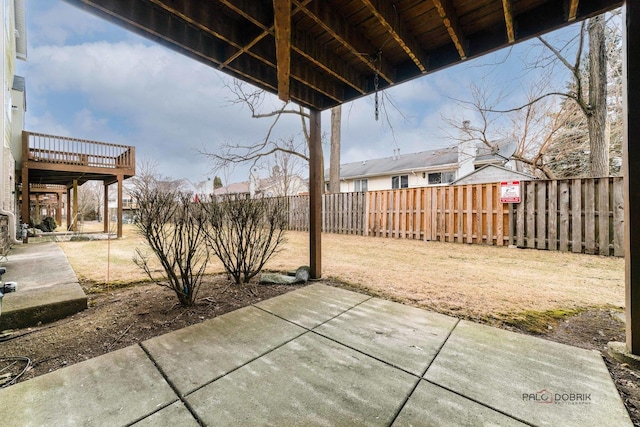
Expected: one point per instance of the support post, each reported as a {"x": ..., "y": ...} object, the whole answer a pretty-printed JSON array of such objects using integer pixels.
[
  {"x": 59, "y": 208},
  {"x": 120, "y": 182},
  {"x": 315, "y": 195},
  {"x": 105, "y": 209},
  {"x": 69, "y": 209},
  {"x": 631, "y": 167},
  {"x": 74, "y": 220},
  {"x": 36, "y": 214}
]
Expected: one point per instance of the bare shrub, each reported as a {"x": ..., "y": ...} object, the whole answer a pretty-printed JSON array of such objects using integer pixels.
[
  {"x": 245, "y": 233},
  {"x": 173, "y": 226}
]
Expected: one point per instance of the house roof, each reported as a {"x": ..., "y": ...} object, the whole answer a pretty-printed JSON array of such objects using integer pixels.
[
  {"x": 516, "y": 174},
  {"x": 405, "y": 162},
  {"x": 235, "y": 188},
  {"x": 263, "y": 184},
  {"x": 445, "y": 158}
]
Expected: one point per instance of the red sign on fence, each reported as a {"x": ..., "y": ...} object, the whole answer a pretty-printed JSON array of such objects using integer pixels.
[{"x": 510, "y": 192}]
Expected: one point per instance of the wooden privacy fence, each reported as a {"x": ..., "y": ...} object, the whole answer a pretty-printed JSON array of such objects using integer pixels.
[
  {"x": 342, "y": 213},
  {"x": 461, "y": 213},
  {"x": 577, "y": 215}
]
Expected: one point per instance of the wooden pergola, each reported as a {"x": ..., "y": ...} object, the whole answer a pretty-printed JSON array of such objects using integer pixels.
[
  {"x": 56, "y": 165},
  {"x": 322, "y": 53}
]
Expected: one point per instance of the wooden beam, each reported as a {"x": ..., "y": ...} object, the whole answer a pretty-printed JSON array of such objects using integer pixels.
[
  {"x": 573, "y": 10},
  {"x": 69, "y": 209},
  {"x": 105, "y": 207},
  {"x": 338, "y": 28},
  {"x": 282, "y": 24},
  {"x": 74, "y": 220},
  {"x": 318, "y": 55},
  {"x": 388, "y": 17},
  {"x": 59, "y": 208},
  {"x": 301, "y": 43},
  {"x": 119, "y": 201},
  {"x": 631, "y": 168},
  {"x": 161, "y": 26},
  {"x": 208, "y": 36},
  {"x": 450, "y": 19},
  {"x": 316, "y": 176},
  {"x": 507, "y": 6}
]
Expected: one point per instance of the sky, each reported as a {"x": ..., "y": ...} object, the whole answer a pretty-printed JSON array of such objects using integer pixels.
[{"x": 89, "y": 79}]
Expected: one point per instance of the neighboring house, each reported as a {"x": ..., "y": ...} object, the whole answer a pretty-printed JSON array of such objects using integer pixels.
[
  {"x": 434, "y": 167},
  {"x": 130, "y": 204},
  {"x": 14, "y": 46},
  {"x": 266, "y": 187}
]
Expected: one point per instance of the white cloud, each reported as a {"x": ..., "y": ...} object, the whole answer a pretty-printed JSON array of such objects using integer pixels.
[{"x": 56, "y": 22}]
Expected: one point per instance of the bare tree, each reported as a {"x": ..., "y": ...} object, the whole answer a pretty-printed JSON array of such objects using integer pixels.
[
  {"x": 334, "y": 164},
  {"x": 245, "y": 233},
  {"x": 285, "y": 169},
  {"x": 174, "y": 228},
  {"x": 531, "y": 128},
  {"x": 259, "y": 153},
  {"x": 573, "y": 115},
  {"x": 90, "y": 199},
  {"x": 589, "y": 89}
]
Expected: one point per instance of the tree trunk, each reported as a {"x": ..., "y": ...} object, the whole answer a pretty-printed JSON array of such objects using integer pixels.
[
  {"x": 597, "y": 115},
  {"x": 334, "y": 161}
]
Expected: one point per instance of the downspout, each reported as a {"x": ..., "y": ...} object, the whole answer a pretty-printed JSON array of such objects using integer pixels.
[{"x": 12, "y": 224}]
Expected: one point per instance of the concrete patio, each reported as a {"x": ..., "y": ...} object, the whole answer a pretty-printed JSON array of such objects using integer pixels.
[{"x": 327, "y": 356}]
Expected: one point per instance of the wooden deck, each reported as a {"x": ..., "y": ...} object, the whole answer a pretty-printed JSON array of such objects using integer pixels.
[{"x": 50, "y": 161}]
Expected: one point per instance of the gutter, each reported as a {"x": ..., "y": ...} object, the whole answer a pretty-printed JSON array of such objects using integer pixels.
[{"x": 445, "y": 167}]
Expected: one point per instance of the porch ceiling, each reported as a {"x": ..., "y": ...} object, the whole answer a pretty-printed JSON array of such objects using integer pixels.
[{"x": 321, "y": 53}]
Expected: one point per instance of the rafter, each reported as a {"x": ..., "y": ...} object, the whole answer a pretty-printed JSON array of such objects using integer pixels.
[
  {"x": 507, "y": 5},
  {"x": 388, "y": 17},
  {"x": 282, "y": 23},
  {"x": 337, "y": 49},
  {"x": 339, "y": 29},
  {"x": 213, "y": 24},
  {"x": 573, "y": 10},
  {"x": 301, "y": 43},
  {"x": 151, "y": 21},
  {"x": 451, "y": 22}
]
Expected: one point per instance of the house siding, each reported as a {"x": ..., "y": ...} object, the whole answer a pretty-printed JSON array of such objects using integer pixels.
[{"x": 377, "y": 183}]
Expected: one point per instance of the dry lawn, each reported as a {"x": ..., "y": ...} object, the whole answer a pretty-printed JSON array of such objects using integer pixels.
[{"x": 479, "y": 282}]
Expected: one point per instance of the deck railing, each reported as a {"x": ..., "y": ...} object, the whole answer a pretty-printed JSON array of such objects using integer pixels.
[{"x": 72, "y": 151}]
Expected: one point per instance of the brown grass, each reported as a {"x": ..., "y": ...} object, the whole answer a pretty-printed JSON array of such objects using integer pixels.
[{"x": 465, "y": 280}]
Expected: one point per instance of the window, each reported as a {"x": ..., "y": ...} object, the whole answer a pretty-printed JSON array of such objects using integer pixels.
[
  {"x": 360, "y": 184},
  {"x": 441, "y": 177},
  {"x": 400, "y": 181}
]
